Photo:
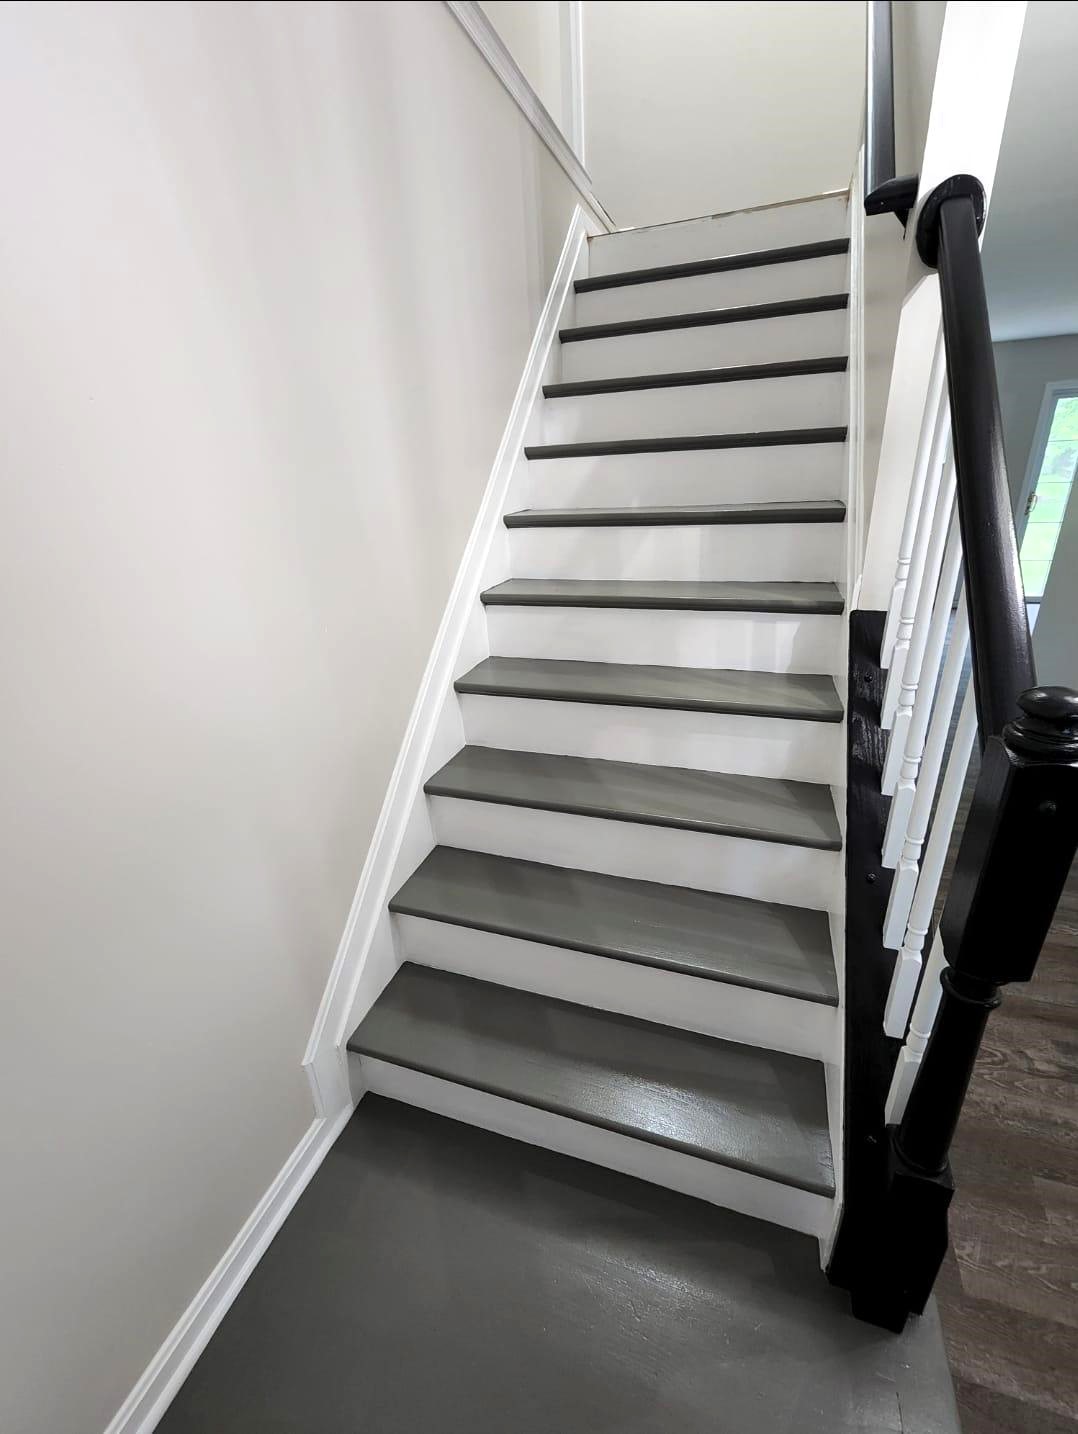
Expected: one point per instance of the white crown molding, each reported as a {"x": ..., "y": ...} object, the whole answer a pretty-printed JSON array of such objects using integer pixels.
[
  {"x": 493, "y": 49},
  {"x": 145, "y": 1406}
]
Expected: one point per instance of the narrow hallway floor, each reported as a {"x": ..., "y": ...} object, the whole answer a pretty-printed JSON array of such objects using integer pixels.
[{"x": 436, "y": 1279}]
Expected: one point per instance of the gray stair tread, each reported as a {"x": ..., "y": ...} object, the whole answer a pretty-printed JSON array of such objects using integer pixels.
[
  {"x": 824, "y": 510},
  {"x": 805, "y": 598},
  {"x": 790, "y": 253},
  {"x": 735, "y": 1105},
  {"x": 693, "y": 443},
  {"x": 805, "y": 697},
  {"x": 742, "y": 313},
  {"x": 782, "y": 949},
  {"x": 759, "y": 808},
  {"x": 690, "y": 378}
]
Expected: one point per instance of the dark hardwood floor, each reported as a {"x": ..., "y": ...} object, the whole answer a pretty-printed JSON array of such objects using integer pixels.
[{"x": 1008, "y": 1293}]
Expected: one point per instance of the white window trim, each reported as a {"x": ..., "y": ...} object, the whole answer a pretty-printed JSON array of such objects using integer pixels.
[{"x": 1059, "y": 388}]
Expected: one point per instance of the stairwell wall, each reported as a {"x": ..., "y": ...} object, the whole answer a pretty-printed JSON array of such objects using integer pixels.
[{"x": 269, "y": 275}]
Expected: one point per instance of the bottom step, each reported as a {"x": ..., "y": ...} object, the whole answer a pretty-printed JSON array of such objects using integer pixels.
[{"x": 742, "y": 1127}]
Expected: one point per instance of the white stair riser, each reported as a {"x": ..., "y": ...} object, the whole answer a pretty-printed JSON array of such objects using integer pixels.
[
  {"x": 793, "y": 336},
  {"x": 762, "y": 284},
  {"x": 740, "y": 232},
  {"x": 779, "y": 474},
  {"x": 749, "y": 641},
  {"x": 741, "y": 866},
  {"x": 709, "y": 741},
  {"x": 762, "y": 405},
  {"x": 742, "y": 552},
  {"x": 734, "y": 1189},
  {"x": 671, "y": 998}
]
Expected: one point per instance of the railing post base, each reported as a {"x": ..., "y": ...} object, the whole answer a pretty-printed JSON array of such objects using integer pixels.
[{"x": 912, "y": 1242}]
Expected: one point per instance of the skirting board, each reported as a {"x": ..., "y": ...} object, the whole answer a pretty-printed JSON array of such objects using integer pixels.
[
  {"x": 324, "y": 1059},
  {"x": 144, "y": 1407}
]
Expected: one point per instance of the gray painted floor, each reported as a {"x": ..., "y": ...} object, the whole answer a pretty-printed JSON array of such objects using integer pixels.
[{"x": 435, "y": 1279}]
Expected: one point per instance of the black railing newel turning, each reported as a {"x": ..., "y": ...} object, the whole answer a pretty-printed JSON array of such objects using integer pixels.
[
  {"x": 884, "y": 193},
  {"x": 1022, "y": 831}
]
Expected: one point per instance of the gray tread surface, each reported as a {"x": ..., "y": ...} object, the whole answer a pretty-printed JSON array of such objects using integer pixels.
[
  {"x": 782, "y": 597},
  {"x": 781, "y": 949},
  {"x": 743, "y": 313},
  {"x": 803, "y": 697},
  {"x": 722, "y": 263},
  {"x": 820, "y": 510},
  {"x": 754, "y": 1110},
  {"x": 726, "y": 804},
  {"x": 691, "y": 378},
  {"x": 697, "y": 442}
]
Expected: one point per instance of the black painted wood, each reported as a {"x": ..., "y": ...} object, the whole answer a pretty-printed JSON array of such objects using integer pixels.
[
  {"x": 870, "y": 1055},
  {"x": 795, "y": 696},
  {"x": 726, "y": 804},
  {"x": 884, "y": 193},
  {"x": 735, "y": 1105},
  {"x": 735, "y": 373},
  {"x": 744, "y": 313},
  {"x": 780, "y": 949},
  {"x": 827, "y": 510},
  {"x": 790, "y": 254},
  {"x": 803, "y": 598},
  {"x": 995, "y": 598},
  {"x": 598, "y": 448}
]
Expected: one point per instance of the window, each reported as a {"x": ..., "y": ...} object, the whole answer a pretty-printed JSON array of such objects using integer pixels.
[{"x": 1047, "y": 501}]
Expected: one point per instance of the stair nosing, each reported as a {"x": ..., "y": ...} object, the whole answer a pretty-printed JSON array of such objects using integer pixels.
[
  {"x": 810, "y": 512},
  {"x": 468, "y": 685},
  {"x": 703, "y": 318},
  {"x": 699, "y": 826},
  {"x": 766, "y": 438},
  {"x": 825, "y": 1189},
  {"x": 689, "y": 378},
  {"x": 495, "y": 597},
  {"x": 748, "y": 259},
  {"x": 612, "y": 953}
]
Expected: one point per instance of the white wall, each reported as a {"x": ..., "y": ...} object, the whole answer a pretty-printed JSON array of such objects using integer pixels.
[
  {"x": 268, "y": 276},
  {"x": 532, "y": 32},
  {"x": 1025, "y": 368},
  {"x": 703, "y": 107}
]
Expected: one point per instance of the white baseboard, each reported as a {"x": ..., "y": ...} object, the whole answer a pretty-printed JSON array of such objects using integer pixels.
[
  {"x": 402, "y": 834},
  {"x": 144, "y": 1407}
]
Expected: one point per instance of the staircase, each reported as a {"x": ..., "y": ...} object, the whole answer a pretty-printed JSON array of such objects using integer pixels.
[{"x": 623, "y": 946}]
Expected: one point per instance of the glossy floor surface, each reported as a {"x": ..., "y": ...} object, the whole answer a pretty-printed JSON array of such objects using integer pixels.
[{"x": 435, "y": 1279}]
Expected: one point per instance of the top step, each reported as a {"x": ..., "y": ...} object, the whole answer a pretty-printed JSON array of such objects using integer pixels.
[{"x": 743, "y": 231}]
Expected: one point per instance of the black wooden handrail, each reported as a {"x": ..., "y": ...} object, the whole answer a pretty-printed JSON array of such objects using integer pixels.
[
  {"x": 884, "y": 193},
  {"x": 1022, "y": 830}
]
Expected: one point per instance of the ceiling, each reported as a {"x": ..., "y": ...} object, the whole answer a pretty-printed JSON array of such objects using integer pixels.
[{"x": 1031, "y": 238}]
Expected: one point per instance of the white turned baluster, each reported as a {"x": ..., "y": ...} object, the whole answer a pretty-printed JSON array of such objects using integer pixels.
[
  {"x": 934, "y": 402},
  {"x": 939, "y": 460},
  {"x": 905, "y": 787},
  {"x": 906, "y": 690},
  {"x": 921, "y": 1023},
  {"x": 905, "y": 882},
  {"x": 908, "y": 961}
]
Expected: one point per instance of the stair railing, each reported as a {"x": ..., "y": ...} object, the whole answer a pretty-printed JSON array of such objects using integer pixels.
[
  {"x": 1021, "y": 833},
  {"x": 884, "y": 193}
]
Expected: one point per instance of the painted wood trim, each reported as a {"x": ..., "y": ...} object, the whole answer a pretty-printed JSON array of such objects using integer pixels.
[
  {"x": 144, "y": 1407},
  {"x": 494, "y": 50},
  {"x": 324, "y": 1059}
]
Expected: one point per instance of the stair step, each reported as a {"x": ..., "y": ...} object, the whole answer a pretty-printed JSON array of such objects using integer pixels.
[
  {"x": 776, "y": 597},
  {"x": 706, "y": 318},
  {"x": 803, "y": 698},
  {"x": 598, "y": 448},
  {"x": 791, "y": 253},
  {"x": 733, "y": 1105},
  {"x": 725, "y": 804},
  {"x": 824, "y": 510},
  {"x": 781, "y": 949},
  {"x": 731, "y": 373}
]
